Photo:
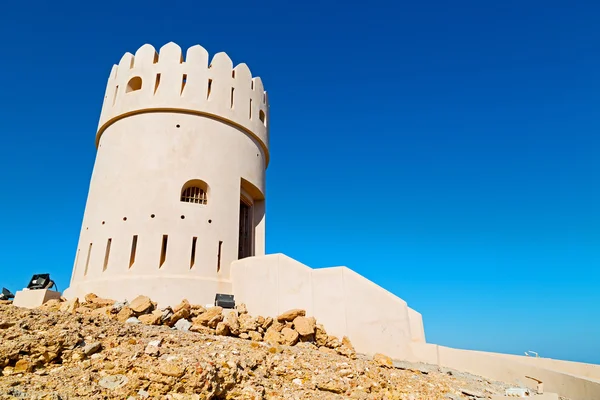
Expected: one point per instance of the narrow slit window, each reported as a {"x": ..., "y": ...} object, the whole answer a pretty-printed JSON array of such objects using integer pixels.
[
  {"x": 250, "y": 108},
  {"x": 163, "y": 250},
  {"x": 193, "y": 256},
  {"x": 133, "y": 250},
  {"x": 232, "y": 89},
  {"x": 208, "y": 90},
  {"x": 107, "y": 253},
  {"x": 115, "y": 96},
  {"x": 87, "y": 261},
  {"x": 157, "y": 83},
  {"x": 262, "y": 117},
  {"x": 183, "y": 82},
  {"x": 219, "y": 256},
  {"x": 76, "y": 262}
]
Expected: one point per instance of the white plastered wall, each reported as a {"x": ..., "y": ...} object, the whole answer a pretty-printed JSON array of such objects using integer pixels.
[
  {"x": 346, "y": 303},
  {"x": 188, "y": 121}
]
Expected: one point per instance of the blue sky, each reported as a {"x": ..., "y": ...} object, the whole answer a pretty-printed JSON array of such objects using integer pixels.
[{"x": 445, "y": 150}]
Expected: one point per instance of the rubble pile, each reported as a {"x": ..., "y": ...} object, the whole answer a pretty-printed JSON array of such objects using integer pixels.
[{"x": 100, "y": 349}]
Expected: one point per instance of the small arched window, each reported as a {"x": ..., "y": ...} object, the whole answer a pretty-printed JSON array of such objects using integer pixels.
[
  {"x": 134, "y": 84},
  {"x": 195, "y": 191}
]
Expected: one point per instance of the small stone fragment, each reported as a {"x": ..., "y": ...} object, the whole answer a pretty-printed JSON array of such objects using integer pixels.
[
  {"x": 273, "y": 337},
  {"x": 290, "y": 315},
  {"x": 118, "y": 306},
  {"x": 183, "y": 325},
  {"x": 222, "y": 329},
  {"x": 171, "y": 369},
  {"x": 22, "y": 366},
  {"x": 184, "y": 305},
  {"x": 304, "y": 326},
  {"x": 247, "y": 323},
  {"x": 383, "y": 360},
  {"x": 182, "y": 313},
  {"x": 133, "y": 320},
  {"x": 241, "y": 309},
  {"x": 113, "y": 381},
  {"x": 153, "y": 347},
  {"x": 151, "y": 319},
  {"x": 141, "y": 304},
  {"x": 290, "y": 336},
  {"x": 92, "y": 348},
  {"x": 255, "y": 336},
  {"x": 268, "y": 322},
  {"x": 70, "y": 306},
  {"x": 231, "y": 320},
  {"x": 124, "y": 314},
  {"x": 210, "y": 314}
]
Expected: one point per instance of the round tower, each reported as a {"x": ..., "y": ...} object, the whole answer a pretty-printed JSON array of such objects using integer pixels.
[{"x": 178, "y": 187}]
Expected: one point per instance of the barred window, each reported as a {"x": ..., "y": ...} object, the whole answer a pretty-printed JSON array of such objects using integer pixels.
[{"x": 194, "y": 192}]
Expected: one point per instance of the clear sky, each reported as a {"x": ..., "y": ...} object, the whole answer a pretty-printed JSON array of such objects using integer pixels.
[{"x": 448, "y": 151}]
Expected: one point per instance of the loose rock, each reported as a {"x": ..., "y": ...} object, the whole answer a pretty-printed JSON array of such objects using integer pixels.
[{"x": 291, "y": 315}]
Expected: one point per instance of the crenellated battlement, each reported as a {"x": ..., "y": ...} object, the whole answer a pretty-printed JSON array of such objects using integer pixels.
[{"x": 166, "y": 81}]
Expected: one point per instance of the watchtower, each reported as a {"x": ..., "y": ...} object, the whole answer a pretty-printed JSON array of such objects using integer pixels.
[{"x": 178, "y": 187}]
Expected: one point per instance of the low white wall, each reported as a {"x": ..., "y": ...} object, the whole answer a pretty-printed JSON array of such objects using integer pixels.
[
  {"x": 514, "y": 369},
  {"x": 347, "y": 304}
]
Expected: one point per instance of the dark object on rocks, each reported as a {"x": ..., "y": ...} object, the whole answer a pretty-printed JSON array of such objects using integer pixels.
[{"x": 224, "y": 300}]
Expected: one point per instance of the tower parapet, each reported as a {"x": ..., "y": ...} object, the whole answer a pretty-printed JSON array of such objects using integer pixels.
[{"x": 166, "y": 81}]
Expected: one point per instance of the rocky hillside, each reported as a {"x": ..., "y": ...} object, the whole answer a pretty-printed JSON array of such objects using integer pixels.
[{"x": 101, "y": 349}]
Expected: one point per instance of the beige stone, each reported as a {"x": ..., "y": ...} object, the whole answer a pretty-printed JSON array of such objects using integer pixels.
[
  {"x": 290, "y": 315},
  {"x": 182, "y": 313},
  {"x": 268, "y": 322},
  {"x": 70, "y": 306},
  {"x": 304, "y": 326},
  {"x": 273, "y": 337},
  {"x": 247, "y": 323},
  {"x": 22, "y": 366},
  {"x": 171, "y": 369},
  {"x": 383, "y": 360},
  {"x": 141, "y": 304},
  {"x": 222, "y": 329},
  {"x": 125, "y": 314},
  {"x": 185, "y": 304},
  {"x": 290, "y": 336},
  {"x": 89, "y": 297},
  {"x": 320, "y": 335},
  {"x": 333, "y": 342},
  {"x": 215, "y": 321},
  {"x": 257, "y": 337},
  {"x": 242, "y": 309},
  {"x": 51, "y": 305},
  {"x": 103, "y": 311},
  {"x": 199, "y": 328},
  {"x": 210, "y": 314},
  {"x": 151, "y": 319},
  {"x": 231, "y": 320}
]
